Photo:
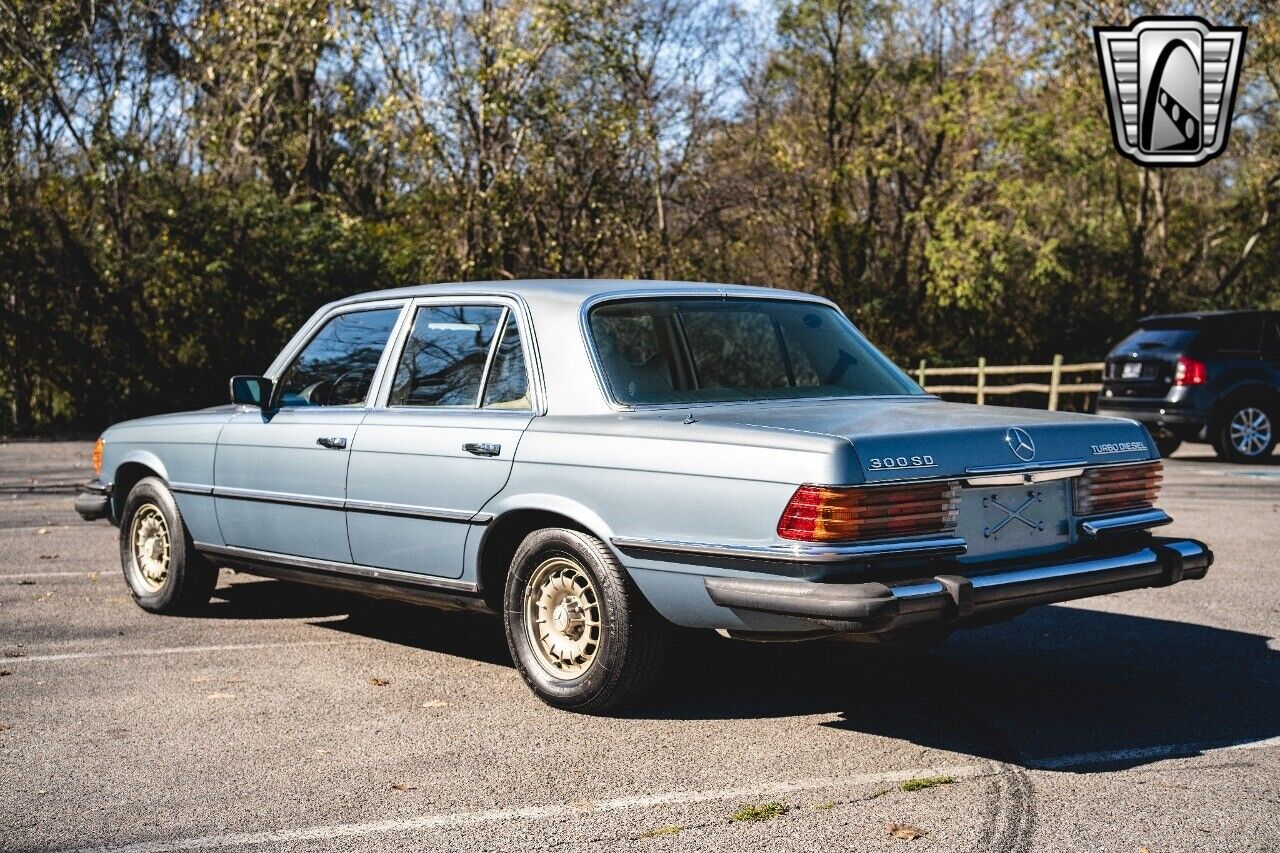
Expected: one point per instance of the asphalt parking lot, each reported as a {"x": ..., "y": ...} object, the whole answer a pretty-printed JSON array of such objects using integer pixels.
[{"x": 286, "y": 718}]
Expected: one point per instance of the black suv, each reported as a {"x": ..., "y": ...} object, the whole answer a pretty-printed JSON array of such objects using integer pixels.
[{"x": 1211, "y": 377}]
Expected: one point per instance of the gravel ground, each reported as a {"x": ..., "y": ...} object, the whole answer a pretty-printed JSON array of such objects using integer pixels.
[{"x": 1148, "y": 719}]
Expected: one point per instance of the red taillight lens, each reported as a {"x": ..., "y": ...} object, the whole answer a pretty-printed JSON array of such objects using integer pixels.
[
  {"x": 1123, "y": 487},
  {"x": 1189, "y": 372},
  {"x": 97, "y": 458},
  {"x": 826, "y": 514}
]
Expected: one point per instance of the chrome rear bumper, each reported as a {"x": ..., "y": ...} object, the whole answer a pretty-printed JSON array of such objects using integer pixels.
[{"x": 872, "y": 608}]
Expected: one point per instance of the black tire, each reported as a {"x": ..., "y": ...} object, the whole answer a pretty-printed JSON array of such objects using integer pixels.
[
  {"x": 188, "y": 579},
  {"x": 1167, "y": 444},
  {"x": 1237, "y": 411},
  {"x": 632, "y": 638}
]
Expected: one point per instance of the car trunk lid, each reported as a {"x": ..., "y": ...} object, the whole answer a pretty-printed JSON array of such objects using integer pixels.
[{"x": 909, "y": 438}]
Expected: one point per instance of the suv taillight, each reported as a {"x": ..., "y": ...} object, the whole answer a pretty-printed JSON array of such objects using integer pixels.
[
  {"x": 845, "y": 514},
  {"x": 1121, "y": 487},
  {"x": 1189, "y": 372}
]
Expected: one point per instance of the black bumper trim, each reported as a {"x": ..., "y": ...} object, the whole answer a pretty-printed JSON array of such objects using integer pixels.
[
  {"x": 93, "y": 500},
  {"x": 870, "y": 608}
]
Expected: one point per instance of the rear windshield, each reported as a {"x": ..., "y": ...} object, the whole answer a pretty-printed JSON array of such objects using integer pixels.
[
  {"x": 657, "y": 351},
  {"x": 1145, "y": 340}
]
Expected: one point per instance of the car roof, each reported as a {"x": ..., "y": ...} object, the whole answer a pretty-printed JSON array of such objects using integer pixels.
[
  {"x": 1202, "y": 317},
  {"x": 573, "y": 290}
]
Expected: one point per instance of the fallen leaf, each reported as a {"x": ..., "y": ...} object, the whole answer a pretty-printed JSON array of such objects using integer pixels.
[
  {"x": 904, "y": 831},
  {"x": 4, "y": 727},
  {"x": 403, "y": 786},
  {"x": 48, "y": 556},
  {"x": 379, "y": 682},
  {"x": 42, "y": 531},
  {"x": 221, "y": 696},
  {"x": 435, "y": 703},
  {"x": 93, "y": 576}
]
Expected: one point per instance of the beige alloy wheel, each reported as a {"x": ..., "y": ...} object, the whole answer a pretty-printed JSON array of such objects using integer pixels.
[
  {"x": 562, "y": 617},
  {"x": 150, "y": 549}
]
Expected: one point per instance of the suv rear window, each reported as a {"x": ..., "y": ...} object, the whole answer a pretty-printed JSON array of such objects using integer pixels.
[
  {"x": 1160, "y": 338},
  {"x": 1232, "y": 334},
  {"x": 697, "y": 350}
]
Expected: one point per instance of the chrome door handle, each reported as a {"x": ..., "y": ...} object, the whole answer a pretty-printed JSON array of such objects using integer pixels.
[
  {"x": 332, "y": 443},
  {"x": 482, "y": 449}
]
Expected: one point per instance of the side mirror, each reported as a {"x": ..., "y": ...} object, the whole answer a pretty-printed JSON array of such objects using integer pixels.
[{"x": 251, "y": 391}]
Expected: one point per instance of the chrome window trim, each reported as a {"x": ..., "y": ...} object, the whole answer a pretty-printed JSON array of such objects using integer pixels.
[
  {"x": 354, "y": 569},
  {"x": 287, "y": 357},
  {"x": 602, "y": 382},
  {"x": 933, "y": 546},
  {"x": 524, "y": 321}
]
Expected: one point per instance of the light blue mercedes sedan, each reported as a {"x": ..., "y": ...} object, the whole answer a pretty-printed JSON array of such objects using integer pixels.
[{"x": 599, "y": 461}]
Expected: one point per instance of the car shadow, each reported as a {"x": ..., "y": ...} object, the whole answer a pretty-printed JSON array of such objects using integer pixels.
[{"x": 1060, "y": 688}]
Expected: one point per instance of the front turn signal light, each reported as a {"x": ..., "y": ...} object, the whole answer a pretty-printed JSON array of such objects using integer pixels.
[
  {"x": 97, "y": 457},
  {"x": 846, "y": 514}
]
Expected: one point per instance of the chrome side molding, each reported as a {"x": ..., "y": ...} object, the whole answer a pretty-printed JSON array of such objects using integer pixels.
[
  {"x": 934, "y": 546},
  {"x": 270, "y": 558}
]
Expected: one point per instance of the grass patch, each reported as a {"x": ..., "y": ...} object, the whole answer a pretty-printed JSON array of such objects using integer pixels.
[
  {"x": 661, "y": 831},
  {"x": 826, "y": 807},
  {"x": 764, "y": 811},
  {"x": 925, "y": 782}
]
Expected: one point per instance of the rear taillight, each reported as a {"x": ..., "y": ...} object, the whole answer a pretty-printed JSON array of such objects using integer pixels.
[
  {"x": 1189, "y": 372},
  {"x": 1122, "y": 487},
  {"x": 97, "y": 458},
  {"x": 845, "y": 514}
]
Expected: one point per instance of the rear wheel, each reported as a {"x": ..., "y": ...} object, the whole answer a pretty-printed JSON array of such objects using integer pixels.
[
  {"x": 582, "y": 636},
  {"x": 161, "y": 567},
  {"x": 1246, "y": 431}
]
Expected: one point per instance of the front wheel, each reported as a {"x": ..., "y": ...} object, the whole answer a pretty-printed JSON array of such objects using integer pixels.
[
  {"x": 1246, "y": 431},
  {"x": 582, "y": 636},
  {"x": 164, "y": 572}
]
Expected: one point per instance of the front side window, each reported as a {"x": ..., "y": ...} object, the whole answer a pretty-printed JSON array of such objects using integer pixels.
[
  {"x": 444, "y": 358},
  {"x": 337, "y": 366},
  {"x": 697, "y": 350}
]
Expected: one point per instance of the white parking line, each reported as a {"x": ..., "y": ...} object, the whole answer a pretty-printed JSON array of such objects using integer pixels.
[
  {"x": 177, "y": 650},
  {"x": 451, "y": 820},
  {"x": 1146, "y": 753},
  {"x": 23, "y": 576}
]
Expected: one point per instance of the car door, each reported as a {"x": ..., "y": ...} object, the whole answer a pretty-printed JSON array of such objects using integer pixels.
[
  {"x": 280, "y": 474},
  {"x": 456, "y": 402}
]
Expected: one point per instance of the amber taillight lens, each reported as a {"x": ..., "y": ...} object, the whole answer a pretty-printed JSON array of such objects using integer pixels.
[
  {"x": 97, "y": 458},
  {"x": 827, "y": 514},
  {"x": 1122, "y": 487}
]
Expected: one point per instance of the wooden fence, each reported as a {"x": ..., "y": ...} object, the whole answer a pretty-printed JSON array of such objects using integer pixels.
[{"x": 1055, "y": 387}]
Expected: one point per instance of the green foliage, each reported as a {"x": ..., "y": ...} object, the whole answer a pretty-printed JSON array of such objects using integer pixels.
[{"x": 182, "y": 185}]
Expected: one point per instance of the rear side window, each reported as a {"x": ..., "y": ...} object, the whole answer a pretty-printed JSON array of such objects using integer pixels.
[
  {"x": 1241, "y": 335},
  {"x": 336, "y": 367},
  {"x": 444, "y": 358},
  {"x": 508, "y": 383}
]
